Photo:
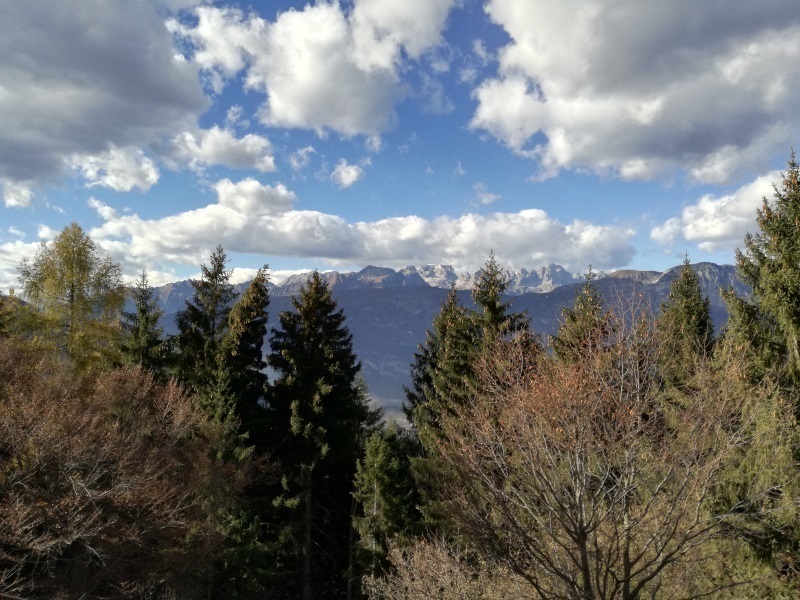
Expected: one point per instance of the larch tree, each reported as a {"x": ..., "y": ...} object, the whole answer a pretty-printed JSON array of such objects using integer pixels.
[
  {"x": 565, "y": 480},
  {"x": 319, "y": 415},
  {"x": 76, "y": 295}
]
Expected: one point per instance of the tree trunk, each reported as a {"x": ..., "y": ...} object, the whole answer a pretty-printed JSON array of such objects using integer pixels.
[{"x": 306, "y": 590}]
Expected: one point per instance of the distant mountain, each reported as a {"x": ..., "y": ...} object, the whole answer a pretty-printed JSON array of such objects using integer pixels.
[{"x": 389, "y": 311}]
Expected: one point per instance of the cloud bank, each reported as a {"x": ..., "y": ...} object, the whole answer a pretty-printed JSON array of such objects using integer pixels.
[
  {"x": 249, "y": 217},
  {"x": 640, "y": 90}
]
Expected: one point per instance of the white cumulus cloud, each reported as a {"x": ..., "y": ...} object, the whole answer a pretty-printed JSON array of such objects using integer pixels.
[
  {"x": 641, "y": 90},
  {"x": 120, "y": 169},
  {"x": 344, "y": 174},
  {"x": 251, "y": 218},
  {"x": 320, "y": 67},
  {"x": 82, "y": 76},
  {"x": 218, "y": 146},
  {"x": 718, "y": 222},
  {"x": 252, "y": 198}
]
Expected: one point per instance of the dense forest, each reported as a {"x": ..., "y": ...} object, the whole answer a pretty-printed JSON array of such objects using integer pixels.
[{"x": 629, "y": 456}]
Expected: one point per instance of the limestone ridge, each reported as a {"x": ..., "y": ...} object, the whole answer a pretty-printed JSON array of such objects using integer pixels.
[
  {"x": 171, "y": 297},
  {"x": 522, "y": 281}
]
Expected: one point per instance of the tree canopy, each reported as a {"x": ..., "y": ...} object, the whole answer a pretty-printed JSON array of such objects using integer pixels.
[{"x": 77, "y": 295}]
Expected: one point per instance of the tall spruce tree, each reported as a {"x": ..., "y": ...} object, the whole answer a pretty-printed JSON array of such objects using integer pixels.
[
  {"x": 763, "y": 331},
  {"x": 318, "y": 414},
  {"x": 492, "y": 316},
  {"x": 203, "y": 324},
  {"x": 770, "y": 264},
  {"x": 388, "y": 494},
  {"x": 684, "y": 327},
  {"x": 584, "y": 326},
  {"x": 442, "y": 370},
  {"x": 144, "y": 344},
  {"x": 242, "y": 352}
]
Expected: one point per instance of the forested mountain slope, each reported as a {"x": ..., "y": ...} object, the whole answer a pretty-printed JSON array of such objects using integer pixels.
[{"x": 389, "y": 311}]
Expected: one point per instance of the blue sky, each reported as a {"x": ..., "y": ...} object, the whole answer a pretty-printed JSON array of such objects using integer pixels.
[{"x": 617, "y": 133}]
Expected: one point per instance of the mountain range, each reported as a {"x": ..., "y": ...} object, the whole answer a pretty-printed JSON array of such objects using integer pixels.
[{"x": 388, "y": 311}]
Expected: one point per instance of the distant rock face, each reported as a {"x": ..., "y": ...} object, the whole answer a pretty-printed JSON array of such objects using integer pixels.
[
  {"x": 444, "y": 276},
  {"x": 389, "y": 311}
]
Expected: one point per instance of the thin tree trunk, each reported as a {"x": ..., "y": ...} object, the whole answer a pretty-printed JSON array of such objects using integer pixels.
[{"x": 306, "y": 592}]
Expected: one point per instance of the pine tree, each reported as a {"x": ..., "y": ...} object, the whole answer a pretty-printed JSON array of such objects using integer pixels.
[
  {"x": 145, "y": 344},
  {"x": 203, "y": 324},
  {"x": 584, "y": 327},
  {"x": 442, "y": 369},
  {"x": 684, "y": 327},
  {"x": 242, "y": 352},
  {"x": 492, "y": 316},
  {"x": 387, "y": 493},
  {"x": 763, "y": 331},
  {"x": 770, "y": 264},
  {"x": 77, "y": 297},
  {"x": 318, "y": 414}
]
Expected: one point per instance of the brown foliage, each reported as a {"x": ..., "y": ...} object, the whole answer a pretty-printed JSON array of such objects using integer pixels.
[
  {"x": 104, "y": 482},
  {"x": 578, "y": 478},
  {"x": 432, "y": 569}
]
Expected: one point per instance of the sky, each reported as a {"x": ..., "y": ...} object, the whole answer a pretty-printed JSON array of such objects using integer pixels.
[{"x": 334, "y": 135}]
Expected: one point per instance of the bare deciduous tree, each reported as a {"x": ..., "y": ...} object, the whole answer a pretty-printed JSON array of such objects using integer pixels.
[
  {"x": 106, "y": 483},
  {"x": 433, "y": 569},
  {"x": 578, "y": 477}
]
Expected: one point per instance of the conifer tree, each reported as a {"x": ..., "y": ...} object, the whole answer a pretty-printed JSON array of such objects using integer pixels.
[
  {"x": 764, "y": 330},
  {"x": 318, "y": 417},
  {"x": 492, "y": 316},
  {"x": 584, "y": 326},
  {"x": 202, "y": 325},
  {"x": 770, "y": 264},
  {"x": 387, "y": 493},
  {"x": 242, "y": 352},
  {"x": 77, "y": 296},
  {"x": 441, "y": 372},
  {"x": 422, "y": 370},
  {"x": 145, "y": 344},
  {"x": 684, "y": 327}
]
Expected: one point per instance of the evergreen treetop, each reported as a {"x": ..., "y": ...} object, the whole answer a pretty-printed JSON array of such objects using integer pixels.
[
  {"x": 492, "y": 316},
  {"x": 242, "y": 349},
  {"x": 684, "y": 326},
  {"x": 770, "y": 264},
  {"x": 583, "y": 327},
  {"x": 203, "y": 323},
  {"x": 319, "y": 417},
  {"x": 145, "y": 343}
]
